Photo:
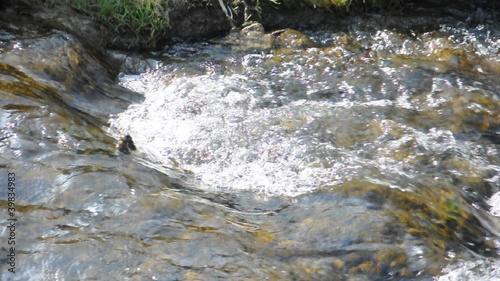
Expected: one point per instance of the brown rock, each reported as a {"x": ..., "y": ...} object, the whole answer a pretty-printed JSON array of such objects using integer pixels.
[{"x": 291, "y": 38}]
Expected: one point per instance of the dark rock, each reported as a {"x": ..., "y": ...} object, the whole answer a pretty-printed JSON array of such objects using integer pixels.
[
  {"x": 126, "y": 144},
  {"x": 54, "y": 67}
]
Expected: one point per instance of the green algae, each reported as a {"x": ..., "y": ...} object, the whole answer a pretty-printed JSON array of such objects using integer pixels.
[{"x": 444, "y": 218}]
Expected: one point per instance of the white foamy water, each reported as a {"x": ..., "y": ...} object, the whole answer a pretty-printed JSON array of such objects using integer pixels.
[
  {"x": 495, "y": 203},
  {"x": 481, "y": 270},
  {"x": 236, "y": 132},
  {"x": 223, "y": 129}
]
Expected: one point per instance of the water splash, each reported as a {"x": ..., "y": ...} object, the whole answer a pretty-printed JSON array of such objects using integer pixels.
[
  {"x": 290, "y": 122},
  {"x": 223, "y": 130}
]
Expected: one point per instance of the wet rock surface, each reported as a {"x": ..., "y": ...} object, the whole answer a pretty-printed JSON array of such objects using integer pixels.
[
  {"x": 254, "y": 37},
  {"x": 364, "y": 155},
  {"x": 292, "y": 39},
  {"x": 65, "y": 74}
]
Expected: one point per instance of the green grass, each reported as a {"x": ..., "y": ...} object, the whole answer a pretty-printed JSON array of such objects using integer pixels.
[
  {"x": 83, "y": 5},
  {"x": 144, "y": 18}
]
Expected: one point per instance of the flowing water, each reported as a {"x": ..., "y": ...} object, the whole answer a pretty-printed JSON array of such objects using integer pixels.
[{"x": 371, "y": 153}]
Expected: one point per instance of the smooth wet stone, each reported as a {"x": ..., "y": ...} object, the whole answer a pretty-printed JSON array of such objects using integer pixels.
[
  {"x": 53, "y": 67},
  {"x": 290, "y": 38},
  {"x": 252, "y": 30},
  {"x": 254, "y": 37},
  {"x": 131, "y": 64}
]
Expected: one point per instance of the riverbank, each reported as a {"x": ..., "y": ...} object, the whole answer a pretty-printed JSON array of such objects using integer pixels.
[{"x": 147, "y": 25}]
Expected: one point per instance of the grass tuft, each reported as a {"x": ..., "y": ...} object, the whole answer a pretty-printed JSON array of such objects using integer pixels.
[{"x": 144, "y": 18}]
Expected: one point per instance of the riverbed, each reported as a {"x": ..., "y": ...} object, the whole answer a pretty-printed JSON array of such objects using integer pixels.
[{"x": 370, "y": 152}]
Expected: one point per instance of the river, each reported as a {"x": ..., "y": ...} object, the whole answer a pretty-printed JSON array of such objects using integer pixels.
[{"x": 369, "y": 153}]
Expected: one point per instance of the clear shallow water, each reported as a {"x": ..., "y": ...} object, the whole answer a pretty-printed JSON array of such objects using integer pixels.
[{"x": 372, "y": 156}]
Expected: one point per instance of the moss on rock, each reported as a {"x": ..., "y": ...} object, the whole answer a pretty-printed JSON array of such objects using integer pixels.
[{"x": 146, "y": 24}]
